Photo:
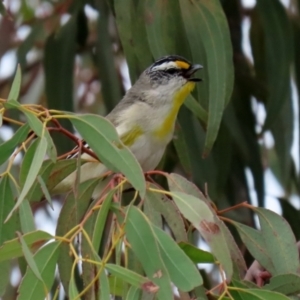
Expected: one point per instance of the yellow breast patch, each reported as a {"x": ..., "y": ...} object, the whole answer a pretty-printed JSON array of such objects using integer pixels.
[{"x": 167, "y": 125}]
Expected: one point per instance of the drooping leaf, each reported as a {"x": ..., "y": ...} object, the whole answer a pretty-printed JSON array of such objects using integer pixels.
[
  {"x": 7, "y": 148},
  {"x": 12, "y": 248},
  {"x": 207, "y": 32},
  {"x": 26, "y": 217},
  {"x": 287, "y": 284},
  {"x": 207, "y": 223},
  {"x": 125, "y": 16},
  {"x": 16, "y": 85},
  {"x": 144, "y": 245},
  {"x": 195, "y": 254},
  {"x": 170, "y": 213},
  {"x": 278, "y": 50},
  {"x": 37, "y": 126},
  {"x": 256, "y": 245},
  {"x": 103, "y": 138},
  {"x": 8, "y": 229},
  {"x": 32, "y": 172},
  {"x": 182, "y": 271},
  {"x": 111, "y": 90},
  {"x": 131, "y": 277},
  {"x": 71, "y": 214},
  {"x": 59, "y": 71},
  {"x": 45, "y": 258},
  {"x": 280, "y": 243}
]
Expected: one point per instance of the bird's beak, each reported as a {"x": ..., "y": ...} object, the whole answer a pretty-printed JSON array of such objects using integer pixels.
[{"x": 193, "y": 69}]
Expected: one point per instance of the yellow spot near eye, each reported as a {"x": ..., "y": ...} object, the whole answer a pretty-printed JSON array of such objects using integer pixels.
[
  {"x": 168, "y": 124},
  {"x": 182, "y": 64}
]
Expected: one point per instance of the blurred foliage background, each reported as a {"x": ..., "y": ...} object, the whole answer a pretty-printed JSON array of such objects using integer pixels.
[{"x": 241, "y": 127}]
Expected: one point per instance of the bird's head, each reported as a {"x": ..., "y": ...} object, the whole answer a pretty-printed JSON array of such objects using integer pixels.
[{"x": 170, "y": 76}]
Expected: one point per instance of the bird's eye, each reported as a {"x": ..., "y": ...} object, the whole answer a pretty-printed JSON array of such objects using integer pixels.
[{"x": 171, "y": 71}]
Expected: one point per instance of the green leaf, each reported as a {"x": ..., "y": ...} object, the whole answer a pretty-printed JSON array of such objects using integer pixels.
[
  {"x": 200, "y": 214},
  {"x": 135, "y": 31},
  {"x": 125, "y": 11},
  {"x": 169, "y": 211},
  {"x": 195, "y": 254},
  {"x": 7, "y": 230},
  {"x": 16, "y": 85},
  {"x": 37, "y": 191},
  {"x": 45, "y": 259},
  {"x": 278, "y": 50},
  {"x": 5, "y": 276},
  {"x": 257, "y": 294},
  {"x": 133, "y": 294},
  {"x": 26, "y": 217},
  {"x": 109, "y": 76},
  {"x": 131, "y": 277},
  {"x": 101, "y": 221},
  {"x": 280, "y": 242},
  {"x": 116, "y": 285},
  {"x": 182, "y": 271},
  {"x": 45, "y": 190},
  {"x": 71, "y": 214},
  {"x": 37, "y": 126},
  {"x": 181, "y": 184},
  {"x": 32, "y": 172},
  {"x": 207, "y": 32},
  {"x": 7, "y": 148},
  {"x": 285, "y": 283},
  {"x": 61, "y": 170},
  {"x": 103, "y": 138},
  {"x": 178, "y": 183},
  {"x": 196, "y": 108},
  {"x": 72, "y": 290},
  {"x": 59, "y": 71},
  {"x": 34, "y": 240},
  {"x": 143, "y": 242},
  {"x": 104, "y": 288},
  {"x": 182, "y": 149},
  {"x": 256, "y": 245},
  {"x": 152, "y": 213},
  {"x": 29, "y": 258}
]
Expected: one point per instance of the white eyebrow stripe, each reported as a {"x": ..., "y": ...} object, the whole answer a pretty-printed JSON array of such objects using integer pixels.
[{"x": 166, "y": 66}]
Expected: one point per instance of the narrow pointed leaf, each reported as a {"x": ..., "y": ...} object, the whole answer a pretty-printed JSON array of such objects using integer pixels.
[
  {"x": 29, "y": 259},
  {"x": 102, "y": 138},
  {"x": 7, "y": 230},
  {"x": 16, "y": 85},
  {"x": 26, "y": 217},
  {"x": 287, "y": 284},
  {"x": 183, "y": 272},
  {"x": 46, "y": 259},
  {"x": 209, "y": 226},
  {"x": 170, "y": 213},
  {"x": 32, "y": 172},
  {"x": 207, "y": 32},
  {"x": 131, "y": 277},
  {"x": 7, "y": 148},
  {"x": 195, "y": 254},
  {"x": 34, "y": 240},
  {"x": 279, "y": 240},
  {"x": 143, "y": 242}
]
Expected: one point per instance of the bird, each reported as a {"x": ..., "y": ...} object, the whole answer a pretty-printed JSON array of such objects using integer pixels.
[{"x": 145, "y": 118}]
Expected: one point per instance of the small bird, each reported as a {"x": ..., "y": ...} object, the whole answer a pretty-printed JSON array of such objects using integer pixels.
[{"x": 145, "y": 117}]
